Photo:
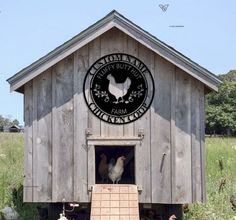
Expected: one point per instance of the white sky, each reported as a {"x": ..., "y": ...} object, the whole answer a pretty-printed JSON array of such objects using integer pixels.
[{"x": 29, "y": 29}]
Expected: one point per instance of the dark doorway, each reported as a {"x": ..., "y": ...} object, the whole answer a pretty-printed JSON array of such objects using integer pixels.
[{"x": 109, "y": 155}]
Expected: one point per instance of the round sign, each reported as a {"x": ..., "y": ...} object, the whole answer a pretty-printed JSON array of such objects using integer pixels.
[{"x": 118, "y": 88}]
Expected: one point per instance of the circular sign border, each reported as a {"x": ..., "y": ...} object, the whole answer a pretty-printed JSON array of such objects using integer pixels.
[
  {"x": 146, "y": 84},
  {"x": 152, "y": 82}
]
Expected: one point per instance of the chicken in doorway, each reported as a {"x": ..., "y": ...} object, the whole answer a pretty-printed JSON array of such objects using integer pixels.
[
  {"x": 103, "y": 168},
  {"x": 117, "y": 170}
]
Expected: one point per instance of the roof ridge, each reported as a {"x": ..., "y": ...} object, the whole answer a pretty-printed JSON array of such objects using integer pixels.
[{"x": 103, "y": 25}]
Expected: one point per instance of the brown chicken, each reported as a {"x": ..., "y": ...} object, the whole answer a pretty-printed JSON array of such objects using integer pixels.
[{"x": 103, "y": 168}]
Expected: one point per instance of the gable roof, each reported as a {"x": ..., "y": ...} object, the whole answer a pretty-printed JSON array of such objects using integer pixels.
[
  {"x": 113, "y": 19},
  {"x": 15, "y": 126}
]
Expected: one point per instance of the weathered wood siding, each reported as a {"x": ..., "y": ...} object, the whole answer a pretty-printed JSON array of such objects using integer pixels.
[
  {"x": 62, "y": 130},
  {"x": 169, "y": 157},
  {"x": 42, "y": 133}
]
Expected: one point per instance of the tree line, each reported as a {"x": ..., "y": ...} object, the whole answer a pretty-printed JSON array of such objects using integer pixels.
[
  {"x": 221, "y": 107},
  {"x": 7, "y": 122}
]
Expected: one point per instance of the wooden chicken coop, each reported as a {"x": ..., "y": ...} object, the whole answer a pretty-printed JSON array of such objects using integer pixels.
[{"x": 114, "y": 89}]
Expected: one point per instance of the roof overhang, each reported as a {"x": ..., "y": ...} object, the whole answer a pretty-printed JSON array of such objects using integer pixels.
[{"x": 113, "y": 19}]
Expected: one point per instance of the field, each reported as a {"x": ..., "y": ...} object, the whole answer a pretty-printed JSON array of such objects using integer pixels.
[
  {"x": 11, "y": 165},
  {"x": 11, "y": 175},
  {"x": 221, "y": 181},
  {"x": 220, "y": 167}
]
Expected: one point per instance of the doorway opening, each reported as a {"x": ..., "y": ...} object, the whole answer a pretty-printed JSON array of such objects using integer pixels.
[{"x": 106, "y": 158}]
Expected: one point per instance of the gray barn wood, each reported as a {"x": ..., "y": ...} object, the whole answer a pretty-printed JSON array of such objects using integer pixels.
[{"x": 61, "y": 133}]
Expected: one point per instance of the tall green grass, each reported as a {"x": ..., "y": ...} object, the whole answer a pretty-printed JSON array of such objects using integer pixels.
[
  {"x": 11, "y": 165},
  {"x": 11, "y": 176},
  {"x": 218, "y": 205},
  {"x": 220, "y": 183}
]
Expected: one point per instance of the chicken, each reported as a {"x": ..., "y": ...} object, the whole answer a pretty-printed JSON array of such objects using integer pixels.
[
  {"x": 117, "y": 170},
  {"x": 173, "y": 217},
  {"x": 119, "y": 90},
  {"x": 103, "y": 168}
]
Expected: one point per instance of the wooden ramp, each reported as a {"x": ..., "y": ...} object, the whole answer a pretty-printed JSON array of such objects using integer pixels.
[{"x": 114, "y": 202}]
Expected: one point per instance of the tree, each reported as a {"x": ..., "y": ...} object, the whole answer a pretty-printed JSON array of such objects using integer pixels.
[
  {"x": 15, "y": 122},
  {"x": 7, "y": 122},
  {"x": 1, "y": 123},
  {"x": 221, "y": 107}
]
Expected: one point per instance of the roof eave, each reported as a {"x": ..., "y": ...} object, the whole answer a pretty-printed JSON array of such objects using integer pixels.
[
  {"x": 175, "y": 55},
  {"x": 35, "y": 66}
]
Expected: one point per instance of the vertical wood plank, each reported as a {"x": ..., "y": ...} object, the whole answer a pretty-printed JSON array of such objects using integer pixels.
[
  {"x": 35, "y": 116},
  {"x": 172, "y": 132},
  {"x": 112, "y": 42},
  {"x": 183, "y": 183},
  {"x": 80, "y": 126},
  {"x": 28, "y": 150},
  {"x": 143, "y": 174},
  {"x": 91, "y": 165},
  {"x": 63, "y": 129},
  {"x": 132, "y": 49},
  {"x": 94, "y": 54},
  {"x": 196, "y": 140},
  {"x": 42, "y": 156},
  {"x": 160, "y": 132},
  {"x": 203, "y": 150}
]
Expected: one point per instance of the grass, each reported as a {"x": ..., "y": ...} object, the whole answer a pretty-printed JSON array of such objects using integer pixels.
[
  {"x": 11, "y": 175},
  {"x": 218, "y": 205},
  {"x": 11, "y": 165}
]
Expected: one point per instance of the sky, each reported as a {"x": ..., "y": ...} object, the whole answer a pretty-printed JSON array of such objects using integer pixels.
[{"x": 204, "y": 31}]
